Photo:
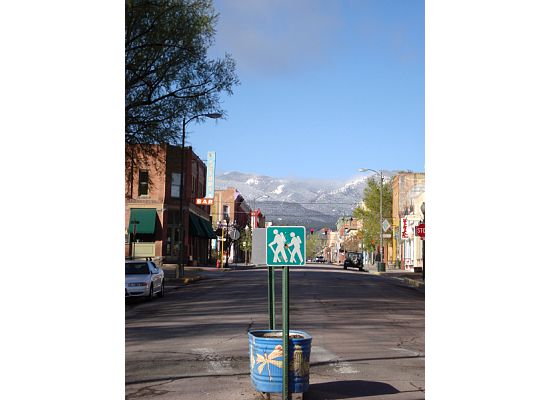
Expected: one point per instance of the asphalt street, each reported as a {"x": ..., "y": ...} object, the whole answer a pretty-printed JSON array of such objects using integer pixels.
[{"x": 368, "y": 336}]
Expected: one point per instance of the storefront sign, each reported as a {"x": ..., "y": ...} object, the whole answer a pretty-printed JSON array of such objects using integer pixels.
[
  {"x": 204, "y": 202},
  {"x": 404, "y": 227},
  {"x": 210, "y": 174}
]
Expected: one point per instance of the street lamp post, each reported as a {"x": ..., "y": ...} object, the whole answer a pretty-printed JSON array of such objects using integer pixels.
[
  {"x": 246, "y": 244},
  {"x": 180, "y": 270},
  {"x": 381, "y": 229},
  {"x": 227, "y": 250}
]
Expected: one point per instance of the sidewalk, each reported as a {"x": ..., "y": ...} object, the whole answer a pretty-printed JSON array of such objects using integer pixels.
[
  {"x": 408, "y": 277},
  {"x": 190, "y": 275}
]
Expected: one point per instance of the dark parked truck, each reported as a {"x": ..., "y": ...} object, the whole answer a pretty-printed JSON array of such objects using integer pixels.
[{"x": 354, "y": 260}]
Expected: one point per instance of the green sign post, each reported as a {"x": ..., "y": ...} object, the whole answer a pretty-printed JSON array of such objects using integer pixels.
[{"x": 285, "y": 247}]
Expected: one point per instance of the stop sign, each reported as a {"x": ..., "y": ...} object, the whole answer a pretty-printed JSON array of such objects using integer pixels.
[{"x": 419, "y": 230}]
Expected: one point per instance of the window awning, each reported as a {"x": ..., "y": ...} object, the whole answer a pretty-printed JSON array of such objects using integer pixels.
[
  {"x": 207, "y": 228},
  {"x": 195, "y": 227},
  {"x": 200, "y": 227},
  {"x": 145, "y": 218}
]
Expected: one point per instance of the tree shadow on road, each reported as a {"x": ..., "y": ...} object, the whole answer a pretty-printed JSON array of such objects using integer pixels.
[{"x": 348, "y": 390}]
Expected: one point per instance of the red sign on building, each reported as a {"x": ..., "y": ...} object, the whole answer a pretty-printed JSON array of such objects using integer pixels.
[
  {"x": 419, "y": 231},
  {"x": 404, "y": 228},
  {"x": 204, "y": 202}
]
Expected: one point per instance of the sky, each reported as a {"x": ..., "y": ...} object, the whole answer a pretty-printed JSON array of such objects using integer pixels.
[{"x": 327, "y": 87}]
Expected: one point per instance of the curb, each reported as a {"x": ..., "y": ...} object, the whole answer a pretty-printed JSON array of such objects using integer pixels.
[
  {"x": 408, "y": 281},
  {"x": 413, "y": 282}
]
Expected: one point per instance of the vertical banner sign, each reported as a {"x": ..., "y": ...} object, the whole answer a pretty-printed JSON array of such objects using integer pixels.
[
  {"x": 285, "y": 245},
  {"x": 210, "y": 174},
  {"x": 404, "y": 228}
]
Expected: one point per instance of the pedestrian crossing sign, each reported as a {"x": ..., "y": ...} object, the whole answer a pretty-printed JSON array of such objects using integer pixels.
[{"x": 285, "y": 245}]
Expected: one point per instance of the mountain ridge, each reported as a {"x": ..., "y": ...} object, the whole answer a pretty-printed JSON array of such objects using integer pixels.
[{"x": 314, "y": 203}]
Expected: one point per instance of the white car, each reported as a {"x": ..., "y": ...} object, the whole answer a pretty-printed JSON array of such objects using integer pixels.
[{"x": 144, "y": 279}]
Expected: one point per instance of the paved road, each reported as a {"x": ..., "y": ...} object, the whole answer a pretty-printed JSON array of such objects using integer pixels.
[{"x": 368, "y": 336}]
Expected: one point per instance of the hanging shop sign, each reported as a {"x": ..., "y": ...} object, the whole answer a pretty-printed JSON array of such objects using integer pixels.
[
  {"x": 210, "y": 174},
  {"x": 404, "y": 226},
  {"x": 204, "y": 201}
]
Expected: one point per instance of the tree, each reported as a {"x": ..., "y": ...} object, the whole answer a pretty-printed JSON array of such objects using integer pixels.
[
  {"x": 370, "y": 213},
  {"x": 313, "y": 246},
  {"x": 245, "y": 242},
  {"x": 351, "y": 243},
  {"x": 168, "y": 74}
]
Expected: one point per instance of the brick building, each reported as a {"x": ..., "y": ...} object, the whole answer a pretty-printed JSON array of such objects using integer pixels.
[
  {"x": 154, "y": 227},
  {"x": 229, "y": 204}
]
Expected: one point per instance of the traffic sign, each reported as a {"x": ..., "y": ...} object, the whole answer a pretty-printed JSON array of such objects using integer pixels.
[
  {"x": 420, "y": 230},
  {"x": 234, "y": 234},
  {"x": 285, "y": 245},
  {"x": 385, "y": 225}
]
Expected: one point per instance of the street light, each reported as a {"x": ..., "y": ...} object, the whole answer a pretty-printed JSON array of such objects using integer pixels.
[
  {"x": 185, "y": 122},
  {"x": 381, "y": 229},
  {"x": 227, "y": 250}
]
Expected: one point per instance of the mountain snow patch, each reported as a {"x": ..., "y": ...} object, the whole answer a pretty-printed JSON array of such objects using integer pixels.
[
  {"x": 279, "y": 189},
  {"x": 252, "y": 181},
  {"x": 348, "y": 186}
]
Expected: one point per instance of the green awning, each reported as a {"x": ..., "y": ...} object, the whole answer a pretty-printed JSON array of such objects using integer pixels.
[
  {"x": 146, "y": 219},
  {"x": 207, "y": 228},
  {"x": 195, "y": 227}
]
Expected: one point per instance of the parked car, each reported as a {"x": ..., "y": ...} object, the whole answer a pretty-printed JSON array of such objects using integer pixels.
[
  {"x": 320, "y": 259},
  {"x": 354, "y": 260},
  {"x": 144, "y": 279}
]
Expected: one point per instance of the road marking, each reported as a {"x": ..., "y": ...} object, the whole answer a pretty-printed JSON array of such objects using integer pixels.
[{"x": 320, "y": 354}]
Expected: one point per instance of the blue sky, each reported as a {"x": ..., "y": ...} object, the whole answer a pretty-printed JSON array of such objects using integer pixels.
[{"x": 327, "y": 87}]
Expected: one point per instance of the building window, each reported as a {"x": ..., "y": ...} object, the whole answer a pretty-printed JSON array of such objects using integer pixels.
[
  {"x": 175, "y": 188},
  {"x": 143, "y": 183}
]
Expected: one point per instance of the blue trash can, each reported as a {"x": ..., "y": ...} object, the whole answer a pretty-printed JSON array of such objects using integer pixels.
[{"x": 266, "y": 360}]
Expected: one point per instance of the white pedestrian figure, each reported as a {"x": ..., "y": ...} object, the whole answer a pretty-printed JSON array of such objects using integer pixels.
[
  {"x": 296, "y": 242},
  {"x": 280, "y": 241},
  {"x": 281, "y": 244}
]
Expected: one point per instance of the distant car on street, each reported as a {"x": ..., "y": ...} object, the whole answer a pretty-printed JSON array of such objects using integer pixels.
[
  {"x": 354, "y": 260},
  {"x": 320, "y": 259},
  {"x": 144, "y": 279}
]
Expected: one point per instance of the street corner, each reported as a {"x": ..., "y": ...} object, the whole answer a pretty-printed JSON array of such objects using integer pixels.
[{"x": 414, "y": 282}]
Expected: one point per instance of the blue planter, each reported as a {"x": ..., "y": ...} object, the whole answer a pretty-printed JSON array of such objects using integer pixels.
[{"x": 266, "y": 360}]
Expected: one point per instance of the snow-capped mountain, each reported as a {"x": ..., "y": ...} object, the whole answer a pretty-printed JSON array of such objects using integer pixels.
[{"x": 312, "y": 203}]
